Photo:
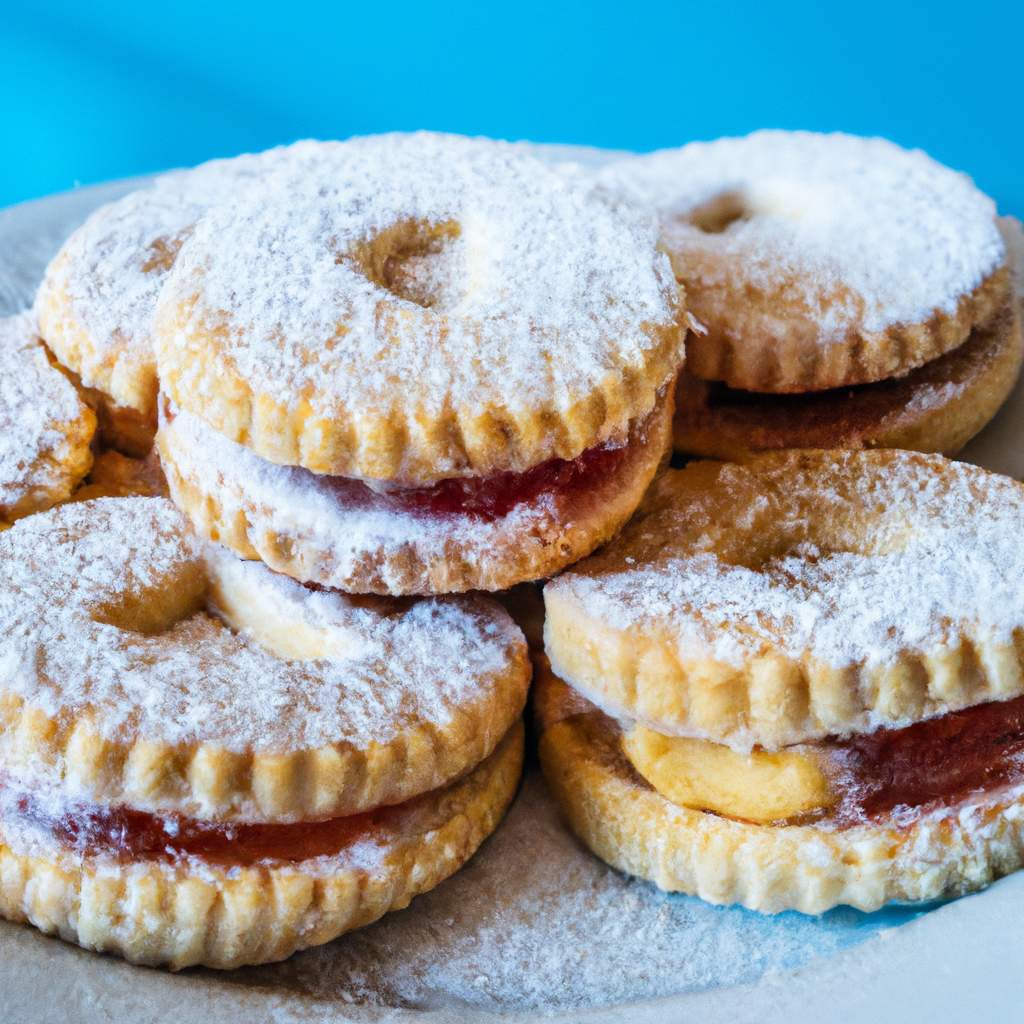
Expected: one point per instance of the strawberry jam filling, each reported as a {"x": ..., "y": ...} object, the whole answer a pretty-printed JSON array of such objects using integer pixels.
[
  {"x": 492, "y": 497},
  {"x": 495, "y": 496},
  {"x": 941, "y": 761},
  {"x": 130, "y": 835}
]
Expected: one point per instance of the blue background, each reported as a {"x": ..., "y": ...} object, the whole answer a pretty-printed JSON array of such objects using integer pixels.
[{"x": 102, "y": 90}]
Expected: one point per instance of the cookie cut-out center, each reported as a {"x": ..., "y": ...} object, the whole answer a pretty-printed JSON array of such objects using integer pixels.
[
  {"x": 720, "y": 212},
  {"x": 156, "y": 606},
  {"x": 418, "y": 261}
]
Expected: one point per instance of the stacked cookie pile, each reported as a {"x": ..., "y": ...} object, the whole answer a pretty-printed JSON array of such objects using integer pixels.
[{"x": 280, "y": 426}]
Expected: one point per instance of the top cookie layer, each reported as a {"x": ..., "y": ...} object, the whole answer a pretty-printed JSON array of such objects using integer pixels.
[
  {"x": 96, "y": 301},
  {"x": 799, "y": 595},
  {"x": 119, "y": 685},
  {"x": 415, "y": 307},
  {"x": 45, "y": 427},
  {"x": 819, "y": 261}
]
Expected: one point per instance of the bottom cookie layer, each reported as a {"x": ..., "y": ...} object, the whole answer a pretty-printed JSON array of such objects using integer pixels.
[
  {"x": 937, "y": 408},
  {"x": 193, "y": 912},
  {"x": 769, "y": 868},
  {"x": 341, "y": 534}
]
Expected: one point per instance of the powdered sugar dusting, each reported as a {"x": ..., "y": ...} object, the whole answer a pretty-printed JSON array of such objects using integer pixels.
[
  {"x": 527, "y": 282},
  {"x": 388, "y": 667},
  {"x": 865, "y": 560},
  {"x": 37, "y": 403},
  {"x": 113, "y": 266},
  {"x": 835, "y": 213},
  {"x": 535, "y": 923}
]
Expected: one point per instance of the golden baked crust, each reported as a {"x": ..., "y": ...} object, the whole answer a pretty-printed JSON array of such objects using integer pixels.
[
  {"x": 128, "y": 381},
  {"x": 299, "y": 526},
  {"x": 95, "y": 303},
  {"x": 197, "y": 913},
  {"x": 174, "y": 681},
  {"x": 122, "y": 389},
  {"x": 421, "y": 343},
  {"x": 819, "y": 261},
  {"x": 114, "y": 475},
  {"x": 937, "y": 408},
  {"x": 763, "y": 867},
  {"x": 799, "y": 595},
  {"x": 744, "y": 352},
  {"x": 46, "y": 429}
]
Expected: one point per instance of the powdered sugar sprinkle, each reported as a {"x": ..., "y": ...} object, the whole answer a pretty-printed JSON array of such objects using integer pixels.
[
  {"x": 62, "y": 650},
  {"x": 906, "y": 235},
  {"x": 36, "y": 403}
]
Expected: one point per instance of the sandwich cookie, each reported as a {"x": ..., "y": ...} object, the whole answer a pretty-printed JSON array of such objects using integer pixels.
[
  {"x": 820, "y": 266},
  {"x": 797, "y": 682},
  {"x": 206, "y": 763},
  {"x": 433, "y": 364}
]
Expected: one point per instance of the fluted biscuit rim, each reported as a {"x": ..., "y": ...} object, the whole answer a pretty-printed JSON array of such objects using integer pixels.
[
  {"x": 943, "y": 425},
  {"x": 771, "y": 698},
  {"x": 207, "y": 781},
  {"x": 764, "y": 867},
  {"x": 403, "y": 442},
  {"x": 789, "y": 358},
  {"x": 492, "y": 560},
  {"x": 181, "y": 916}
]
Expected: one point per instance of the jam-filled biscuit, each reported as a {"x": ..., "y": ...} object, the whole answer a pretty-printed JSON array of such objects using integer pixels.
[
  {"x": 938, "y": 407},
  {"x": 45, "y": 426},
  {"x": 456, "y": 345},
  {"x": 455, "y": 536},
  {"x": 798, "y": 682},
  {"x": 820, "y": 261},
  {"x": 95, "y": 304},
  {"x": 208, "y": 763}
]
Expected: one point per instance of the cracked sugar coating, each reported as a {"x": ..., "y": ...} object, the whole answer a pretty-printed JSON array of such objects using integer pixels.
[
  {"x": 313, "y": 704},
  {"x": 799, "y": 595},
  {"x": 45, "y": 427},
  {"x": 420, "y": 307},
  {"x": 96, "y": 301},
  {"x": 819, "y": 261}
]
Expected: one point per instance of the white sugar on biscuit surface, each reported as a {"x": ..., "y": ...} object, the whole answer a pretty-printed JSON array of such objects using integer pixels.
[
  {"x": 64, "y": 575},
  {"x": 37, "y": 404},
  {"x": 898, "y": 232},
  {"x": 939, "y": 556},
  {"x": 548, "y": 285},
  {"x": 111, "y": 269}
]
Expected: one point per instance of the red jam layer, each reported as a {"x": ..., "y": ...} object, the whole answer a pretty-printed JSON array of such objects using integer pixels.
[
  {"x": 131, "y": 835},
  {"x": 937, "y": 762},
  {"x": 491, "y": 497}
]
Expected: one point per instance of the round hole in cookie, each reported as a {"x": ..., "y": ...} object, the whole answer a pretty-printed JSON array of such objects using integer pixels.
[
  {"x": 717, "y": 214},
  {"x": 416, "y": 260},
  {"x": 162, "y": 252}
]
